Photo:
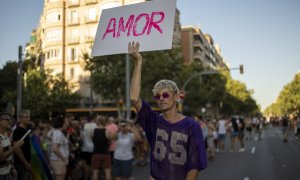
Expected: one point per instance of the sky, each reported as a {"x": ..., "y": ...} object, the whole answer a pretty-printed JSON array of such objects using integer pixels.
[{"x": 263, "y": 35}]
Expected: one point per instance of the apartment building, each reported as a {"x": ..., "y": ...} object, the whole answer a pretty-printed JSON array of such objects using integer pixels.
[
  {"x": 200, "y": 48},
  {"x": 66, "y": 32}
]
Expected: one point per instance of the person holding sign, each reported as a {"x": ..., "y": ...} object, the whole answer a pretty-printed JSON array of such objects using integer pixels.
[
  {"x": 7, "y": 170},
  {"x": 23, "y": 155},
  {"x": 177, "y": 147}
]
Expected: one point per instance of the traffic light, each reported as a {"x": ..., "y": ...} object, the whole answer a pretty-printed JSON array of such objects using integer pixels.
[{"x": 241, "y": 69}]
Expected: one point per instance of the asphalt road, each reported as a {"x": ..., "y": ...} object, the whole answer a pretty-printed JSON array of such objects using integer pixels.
[{"x": 266, "y": 159}]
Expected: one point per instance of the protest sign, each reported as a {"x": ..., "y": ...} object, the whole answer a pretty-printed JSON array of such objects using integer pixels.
[{"x": 150, "y": 23}]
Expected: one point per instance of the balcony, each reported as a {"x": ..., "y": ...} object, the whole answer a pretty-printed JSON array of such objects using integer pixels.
[
  {"x": 53, "y": 43},
  {"x": 197, "y": 55},
  {"x": 74, "y": 22},
  {"x": 73, "y": 40},
  {"x": 89, "y": 39},
  {"x": 91, "y": 2},
  {"x": 54, "y": 5},
  {"x": 73, "y": 3},
  {"x": 56, "y": 24}
]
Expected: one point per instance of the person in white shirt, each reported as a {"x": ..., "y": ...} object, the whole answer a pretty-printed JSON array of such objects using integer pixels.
[
  {"x": 222, "y": 129},
  {"x": 87, "y": 146},
  {"x": 123, "y": 156},
  {"x": 60, "y": 148}
]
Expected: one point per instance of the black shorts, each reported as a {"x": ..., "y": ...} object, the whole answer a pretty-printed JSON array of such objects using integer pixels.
[
  {"x": 249, "y": 129},
  {"x": 87, "y": 156}
]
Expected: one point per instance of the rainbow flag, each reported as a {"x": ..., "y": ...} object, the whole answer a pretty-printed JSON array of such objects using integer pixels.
[{"x": 39, "y": 165}]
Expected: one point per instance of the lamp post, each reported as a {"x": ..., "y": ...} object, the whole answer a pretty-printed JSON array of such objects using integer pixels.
[{"x": 19, "y": 82}]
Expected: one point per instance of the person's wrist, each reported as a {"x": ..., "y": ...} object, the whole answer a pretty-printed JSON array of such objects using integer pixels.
[{"x": 139, "y": 61}]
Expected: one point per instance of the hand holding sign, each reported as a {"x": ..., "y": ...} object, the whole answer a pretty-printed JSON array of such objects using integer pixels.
[{"x": 133, "y": 51}]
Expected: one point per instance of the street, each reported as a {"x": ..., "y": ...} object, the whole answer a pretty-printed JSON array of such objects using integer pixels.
[{"x": 268, "y": 158}]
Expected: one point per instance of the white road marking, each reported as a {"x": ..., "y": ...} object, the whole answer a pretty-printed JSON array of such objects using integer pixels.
[
  {"x": 253, "y": 150},
  {"x": 246, "y": 178}
]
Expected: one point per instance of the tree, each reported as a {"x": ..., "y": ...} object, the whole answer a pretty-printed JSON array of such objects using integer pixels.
[
  {"x": 239, "y": 100},
  {"x": 202, "y": 89},
  {"x": 44, "y": 94},
  {"x": 108, "y": 76},
  {"x": 36, "y": 94},
  {"x": 60, "y": 94},
  {"x": 289, "y": 97},
  {"x": 160, "y": 65},
  {"x": 108, "y": 80},
  {"x": 108, "y": 73},
  {"x": 8, "y": 84}
]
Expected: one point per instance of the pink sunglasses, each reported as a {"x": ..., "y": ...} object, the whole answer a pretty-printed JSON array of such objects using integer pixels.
[{"x": 164, "y": 95}]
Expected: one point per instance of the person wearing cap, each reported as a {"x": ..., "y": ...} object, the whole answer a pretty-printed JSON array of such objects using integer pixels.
[
  {"x": 7, "y": 170},
  {"x": 176, "y": 141}
]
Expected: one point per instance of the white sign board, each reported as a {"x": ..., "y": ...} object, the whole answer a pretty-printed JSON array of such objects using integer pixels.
[{"x": 150, "y": 23}]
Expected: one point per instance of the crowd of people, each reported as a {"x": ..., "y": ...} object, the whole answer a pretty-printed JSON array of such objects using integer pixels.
[
  {"x": 79, "y": 148},
  {"x": 73, "y": 147},
  {"x": 239, "y": 129}
]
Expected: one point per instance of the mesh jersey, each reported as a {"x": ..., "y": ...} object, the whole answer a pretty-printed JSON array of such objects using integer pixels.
[{"x": 175, "y": 148}]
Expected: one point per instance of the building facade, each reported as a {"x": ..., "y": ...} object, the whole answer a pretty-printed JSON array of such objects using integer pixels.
[{"x": 200, "y": 48}]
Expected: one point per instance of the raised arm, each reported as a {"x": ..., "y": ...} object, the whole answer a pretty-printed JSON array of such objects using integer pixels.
[{"x": 135, "y": 87}]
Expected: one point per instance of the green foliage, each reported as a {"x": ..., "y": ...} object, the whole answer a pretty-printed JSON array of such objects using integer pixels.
[
  {"x": 43, "y": 93},
  {"x": 239, "y": 100},
  {"x": 8, "y": 84},
  {"x": 160, "y": 65},
  {"x": 108, "y": 73},
  {"x": 108, "y": 80},
  {"x": 108, "y": 76},
  {"x": 288, "y": 101},
  {"x": 35, "y": 93}
]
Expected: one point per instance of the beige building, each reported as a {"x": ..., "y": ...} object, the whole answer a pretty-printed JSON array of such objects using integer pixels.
[
  {"x": 66, "y": 32},
  {"x": 200, "y": 48}
]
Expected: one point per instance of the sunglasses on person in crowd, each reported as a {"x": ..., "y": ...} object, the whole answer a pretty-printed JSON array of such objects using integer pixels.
[{"x": 164, "y": 95}]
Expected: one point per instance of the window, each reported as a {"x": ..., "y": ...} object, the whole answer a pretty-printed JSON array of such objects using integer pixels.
[
  {"x": 73, "y": 54},
  {"x": 53, "y": 53},
  {"x": 53, "y": 35},
  {"x": 91, "y": 14},
  {"x": 74, "y": 1},
  {"x": 91, "y": 32},
  {"x": 74, "y": 17},
  {"x": 53, "y": 17},
  {"x": 72, "y": 73},
  {"x": 73, "y": 38},
  {"x": 107, "y": 5}
]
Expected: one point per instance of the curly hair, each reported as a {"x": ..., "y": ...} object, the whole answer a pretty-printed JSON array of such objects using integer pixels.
[{"x": 165, "y": 84}]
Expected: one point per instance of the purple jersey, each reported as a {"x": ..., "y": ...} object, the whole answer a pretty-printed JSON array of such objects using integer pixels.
[{"x": 175, "y": 148}]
